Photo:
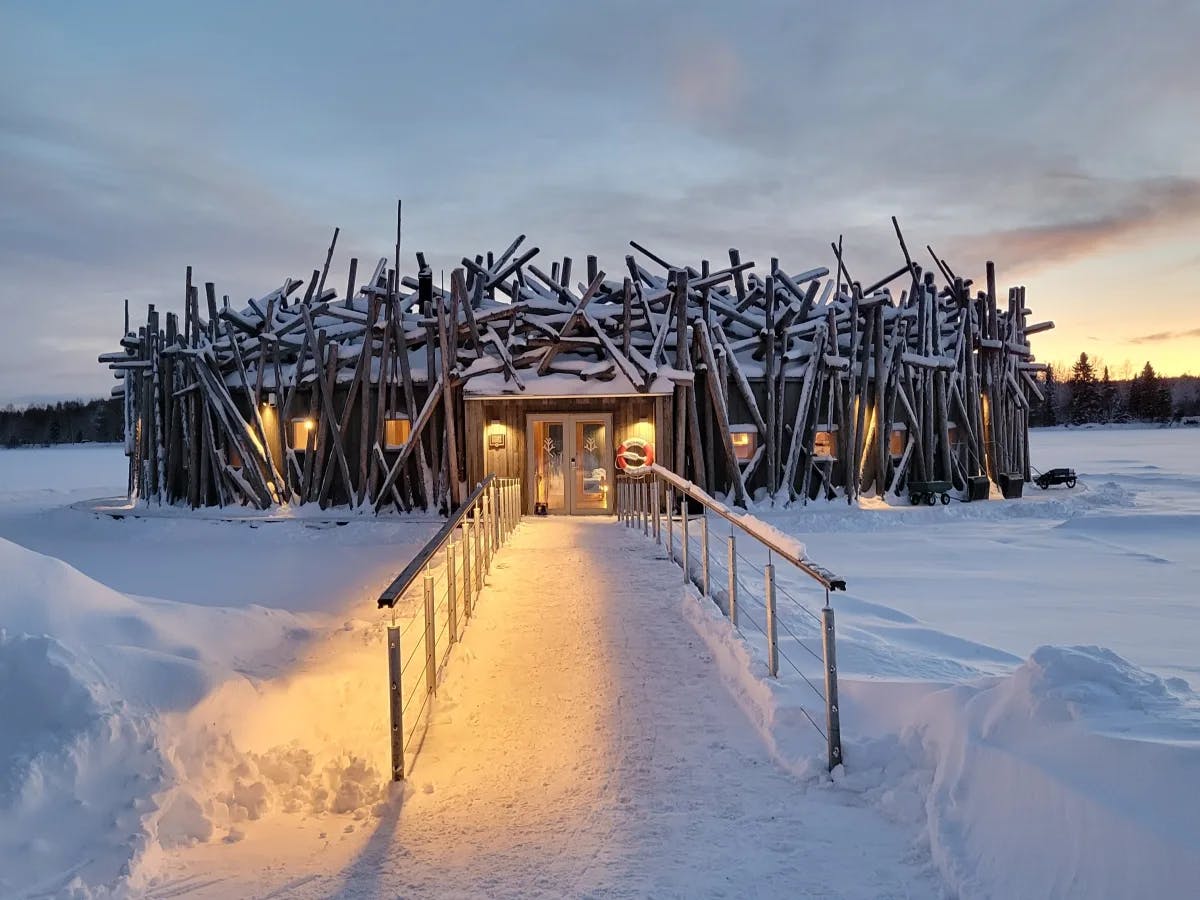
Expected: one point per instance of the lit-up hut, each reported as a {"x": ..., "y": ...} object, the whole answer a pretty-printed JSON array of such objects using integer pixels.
[{"x": 750, "y": 380}]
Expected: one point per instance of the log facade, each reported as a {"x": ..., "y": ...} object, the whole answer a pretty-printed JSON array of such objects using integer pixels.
[{"x": 752, "y": 381}]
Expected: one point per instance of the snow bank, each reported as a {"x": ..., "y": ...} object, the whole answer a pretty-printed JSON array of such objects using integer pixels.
[
  {"x": 1074, "y": 776},
  {"x": 98, "y": 697}
]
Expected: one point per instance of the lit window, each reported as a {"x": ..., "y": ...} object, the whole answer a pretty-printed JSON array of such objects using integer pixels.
[
  {"x": 745, "y": 443},
  {"x": 396, "y": 430},
  {"x": 235, "y": 458},
  {"x": 825, "y": 444},
  {"x": 300, "y": 430},
  {"x": 896, "y": 440}
]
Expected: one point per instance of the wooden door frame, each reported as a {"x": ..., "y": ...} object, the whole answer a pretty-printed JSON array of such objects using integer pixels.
[{"x": 569, "y": 422}]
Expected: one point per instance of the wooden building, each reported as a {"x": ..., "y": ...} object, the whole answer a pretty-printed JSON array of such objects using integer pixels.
[{"x": 750, "y": 380}]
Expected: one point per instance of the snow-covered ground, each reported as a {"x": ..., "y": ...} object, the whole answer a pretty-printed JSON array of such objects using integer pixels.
[{"x": 195, "y": 707}]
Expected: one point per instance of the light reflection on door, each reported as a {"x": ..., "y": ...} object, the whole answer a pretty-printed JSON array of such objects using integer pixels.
[
  {"x": 549, "y": 478},
  {"x": 571, "y": 458},
  {"x": 593, "y": 458}
]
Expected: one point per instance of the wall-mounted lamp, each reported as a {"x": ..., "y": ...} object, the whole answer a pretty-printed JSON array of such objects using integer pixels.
[
  {"x": 396, "y": 431},
  {"x": 495, "y": 438}
]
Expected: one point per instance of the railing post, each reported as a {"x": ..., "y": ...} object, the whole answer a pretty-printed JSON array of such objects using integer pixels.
[
  {"x": 451, "y": 592},
  {"x": 833, "y": 722},
  {"x": 671, "y": 523},
  {"x": 646, "y": 507},
  {"x": 704, "y": 551},
  {"x": 430, "y": 637},
  {"x": 657, "y": 510},
  {"x": 732, "y": 567},
  {"x": 683, "y": 533},
  {"x": 468, "y": 578},
  {"x": 396, "y": 702},
  {"x": 493, "y": 497},
  {"x": 772, "y": 645},
  {"x": 512, "y": 508},
  {"x": 477, "y": 527},
  {"x": 620, "y": 500},
  {"x": 504, "y": 495},
  {"x": 486, "y": 507}
]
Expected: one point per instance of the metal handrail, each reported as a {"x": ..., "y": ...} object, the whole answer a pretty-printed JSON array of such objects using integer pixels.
[
  {"x": 639, "y": 505},
  {"x": 487, "y": 518},
  {"x": 416, "y": 566},
  {"x": 828, "y": 579}
]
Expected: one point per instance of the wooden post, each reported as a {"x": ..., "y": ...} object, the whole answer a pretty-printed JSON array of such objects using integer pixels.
[
  {"x": 704, "y": 552},
  {"x": 769, "y": 378}
]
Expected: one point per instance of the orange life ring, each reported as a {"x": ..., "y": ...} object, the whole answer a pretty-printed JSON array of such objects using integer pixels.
[{"x": 635, "y": 456}]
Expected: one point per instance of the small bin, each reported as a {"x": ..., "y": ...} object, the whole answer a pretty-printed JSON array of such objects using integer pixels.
[
  {"x": 978, "y": 488},
  {"x": 1011, "y": 485}
]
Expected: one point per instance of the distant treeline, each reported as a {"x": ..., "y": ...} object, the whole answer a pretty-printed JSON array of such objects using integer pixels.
[
  {"x": 1079, "y": 395},
  {"x": 68, "y": 422}
]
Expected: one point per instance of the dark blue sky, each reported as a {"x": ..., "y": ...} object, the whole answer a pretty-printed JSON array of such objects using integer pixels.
[{"x": 1058, "y": 138}]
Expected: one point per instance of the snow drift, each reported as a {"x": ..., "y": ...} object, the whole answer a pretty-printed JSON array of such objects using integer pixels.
[
  {"x": 123, "y": 719},
  {"x": 1075, "y": 773}
]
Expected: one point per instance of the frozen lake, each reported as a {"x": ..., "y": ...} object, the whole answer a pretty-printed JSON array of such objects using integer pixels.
[
  {"x": 1114, "y": 562},
  {"x": 221, "y": 651}
]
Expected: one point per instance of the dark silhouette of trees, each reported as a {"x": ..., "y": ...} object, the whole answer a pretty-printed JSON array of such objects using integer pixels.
[
  {"x": 1149, "y": 399},
  {"x": 70, "y": 420}
]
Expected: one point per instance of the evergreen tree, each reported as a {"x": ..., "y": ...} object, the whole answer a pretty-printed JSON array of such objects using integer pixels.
[
  {"x": 1085, "y": 394},
  {"x": 1149, "y": 399},
  {"x": 1109, "y": 400}
]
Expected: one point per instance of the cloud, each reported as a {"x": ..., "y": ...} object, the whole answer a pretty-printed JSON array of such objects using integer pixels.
[
  {"x": 689, "y": 125},
  {"x": 1115, "y": 211},
  {"x": 1160, "y": 336}
]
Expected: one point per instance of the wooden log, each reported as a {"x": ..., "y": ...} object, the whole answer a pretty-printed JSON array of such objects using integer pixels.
[
  {"x": 716, "y": 396},
  {"x": 455, "y": 485},
  {"x": 769, "y": 384},
  {"x": 741, "y": 382}
]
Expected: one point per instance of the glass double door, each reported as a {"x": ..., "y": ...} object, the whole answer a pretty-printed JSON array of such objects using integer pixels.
[{"x": 571, "y": 461}]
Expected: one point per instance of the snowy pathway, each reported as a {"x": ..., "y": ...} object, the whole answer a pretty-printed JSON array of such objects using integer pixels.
[{"x": 583, "y": 744}]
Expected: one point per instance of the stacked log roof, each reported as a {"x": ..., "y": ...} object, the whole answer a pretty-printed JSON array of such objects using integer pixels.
[{"x": 791, "y": 350}]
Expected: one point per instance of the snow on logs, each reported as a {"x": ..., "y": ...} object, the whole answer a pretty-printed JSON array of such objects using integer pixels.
[{"x": 833, "y": 390}]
